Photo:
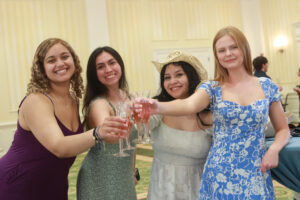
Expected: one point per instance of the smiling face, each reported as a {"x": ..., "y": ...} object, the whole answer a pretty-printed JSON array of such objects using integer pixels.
[
  {"x": 59, "y": 64},
  {"x": 176, "y": 82},
  {"x": 228, "y": 53},
  {"x": 108, "y": 69}
]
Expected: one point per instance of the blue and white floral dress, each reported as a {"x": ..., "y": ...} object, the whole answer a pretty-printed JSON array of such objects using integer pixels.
[{"x": 233, "y": 163}]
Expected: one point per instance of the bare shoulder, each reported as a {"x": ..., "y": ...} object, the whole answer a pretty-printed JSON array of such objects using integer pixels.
[
  {"x": 99, "y": 103},
  {"x": 100, "y": 107},
  {"x": 36, "y": 101},
  {"x": 98, "y": 111},
  {"x": 35, "y": 108}
]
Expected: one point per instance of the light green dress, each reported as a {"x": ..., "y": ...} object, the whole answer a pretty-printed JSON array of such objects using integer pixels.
[
  {"x": 103, "y": 176},
  {"x": 178, "y": 162}
]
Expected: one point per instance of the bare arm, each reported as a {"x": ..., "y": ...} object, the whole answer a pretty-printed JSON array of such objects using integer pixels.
[
  {"x": 37, "y": 115},
  {"x": 280, "y": 125},
  {"x": 193, "y": 104},
  {"x": 279, "y": 122},
  {"x": 100, "y": 112},
  {"x": 206, "y": 117}
]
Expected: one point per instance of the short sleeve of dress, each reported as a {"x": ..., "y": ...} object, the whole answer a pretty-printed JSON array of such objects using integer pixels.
[
  {"x": 274, "y": 94},
  {"x": 208, "y": 87}
]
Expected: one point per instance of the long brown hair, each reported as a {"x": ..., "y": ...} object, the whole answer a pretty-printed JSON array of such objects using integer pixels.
[
  {"x": 220, "y": 72},
  {"x": 94, "y": 87}
]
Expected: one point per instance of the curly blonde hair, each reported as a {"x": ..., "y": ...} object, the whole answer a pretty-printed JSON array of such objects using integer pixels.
[{"x": 39, "y": 81}]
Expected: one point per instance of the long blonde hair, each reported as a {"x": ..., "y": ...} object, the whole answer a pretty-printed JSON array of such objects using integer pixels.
[
  {"x": 220, "y": 72},
  {"x": 39, "y": 81}
]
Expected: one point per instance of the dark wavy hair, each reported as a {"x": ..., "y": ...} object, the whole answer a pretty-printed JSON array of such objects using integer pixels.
[
  {"x": 193, "y": 81},
  {"x": 191, "y": 73},
  {"x": 94, "y": 87}
]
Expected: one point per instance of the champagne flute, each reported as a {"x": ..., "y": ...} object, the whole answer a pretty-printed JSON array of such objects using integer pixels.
[
  {"x": 121, "y": 112},
  {"x": 127, "y": 138},
  {"x": 145, "y": 115},
  {"x": 129, "y": 123},
  {"x": 138, "y": 122}
]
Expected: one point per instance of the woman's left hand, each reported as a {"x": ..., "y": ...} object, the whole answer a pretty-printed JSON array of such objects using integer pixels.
[{"x": 269, "y": 160}]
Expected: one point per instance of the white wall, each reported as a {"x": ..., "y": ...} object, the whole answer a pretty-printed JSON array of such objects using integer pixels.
[
  {"x": 97, "y": 23},
  {"x": 252, "y": 25},
  {"x": 297, "y": 26}
]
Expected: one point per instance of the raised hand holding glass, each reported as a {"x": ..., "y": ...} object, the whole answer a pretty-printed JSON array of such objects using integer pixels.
[{"x": 121, "y": 111}]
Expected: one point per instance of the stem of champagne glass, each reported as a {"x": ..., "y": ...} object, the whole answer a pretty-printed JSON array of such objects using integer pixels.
[
  {"x": 147, "y": 133},
  {"x": 121, "y": 145},
  {"x": 139, "y": 131},
  {"x": 120, "y": 110}
]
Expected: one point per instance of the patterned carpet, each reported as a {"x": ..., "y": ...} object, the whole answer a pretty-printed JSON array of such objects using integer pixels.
[{"x": 144, "y": 160}]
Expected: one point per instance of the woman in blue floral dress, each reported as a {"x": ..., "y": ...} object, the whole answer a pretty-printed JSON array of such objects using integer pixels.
[{"x": 238, "y": 163}]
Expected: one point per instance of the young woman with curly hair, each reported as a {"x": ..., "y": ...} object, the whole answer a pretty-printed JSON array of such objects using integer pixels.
[{"x": 47, "y": 138}]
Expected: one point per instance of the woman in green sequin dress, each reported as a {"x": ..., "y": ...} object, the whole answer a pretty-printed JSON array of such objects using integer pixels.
[{"x": 102, "y": 175}]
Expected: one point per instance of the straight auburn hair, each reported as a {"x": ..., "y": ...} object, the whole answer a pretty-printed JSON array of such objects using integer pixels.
[{"x": 221, "y": 73}]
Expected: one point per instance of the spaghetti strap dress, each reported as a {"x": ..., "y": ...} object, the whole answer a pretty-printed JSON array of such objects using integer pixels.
[
  {"x": 232, "y": 169},
  {"x": 28, "y": 171},
  {"x": 103, "y": 176}
]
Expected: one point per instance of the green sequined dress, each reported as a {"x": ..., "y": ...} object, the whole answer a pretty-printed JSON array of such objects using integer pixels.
[{"x": 103, "y": 176}]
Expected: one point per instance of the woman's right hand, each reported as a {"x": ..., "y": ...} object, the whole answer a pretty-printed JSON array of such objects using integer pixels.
[
  {"x": 112, "y": 129},
  {"x": 138, "y": 105}
]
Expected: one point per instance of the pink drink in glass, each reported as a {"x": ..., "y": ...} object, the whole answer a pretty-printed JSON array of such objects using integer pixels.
[
  {"x": 145, "y": 112},
  {"x": 137, "y": 119},
  {"x": 145, "y": 119}
]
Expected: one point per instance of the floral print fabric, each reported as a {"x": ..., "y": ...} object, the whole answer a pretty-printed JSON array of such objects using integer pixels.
[{"x": 233, "y": 164}]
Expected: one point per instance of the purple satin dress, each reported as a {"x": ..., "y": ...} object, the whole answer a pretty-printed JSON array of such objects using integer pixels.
[{"x": 28, "y": 171}]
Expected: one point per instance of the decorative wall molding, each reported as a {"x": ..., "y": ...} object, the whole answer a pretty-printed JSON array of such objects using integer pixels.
[
  {"x": 252, "y": 25},
  {"x": 195, "y": 27},
  {"x": 97, "y": 23},
  {"x": 297, "y": 33},
  {"x": 164, "y": 26},
  {"x": 25, "y": 24},
  {"x": 297, "y": 25},
  {"x": 138, "y": 28}
]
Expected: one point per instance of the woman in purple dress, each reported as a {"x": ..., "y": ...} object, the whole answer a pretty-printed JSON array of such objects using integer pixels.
[{"x": 47, "y": 138}]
